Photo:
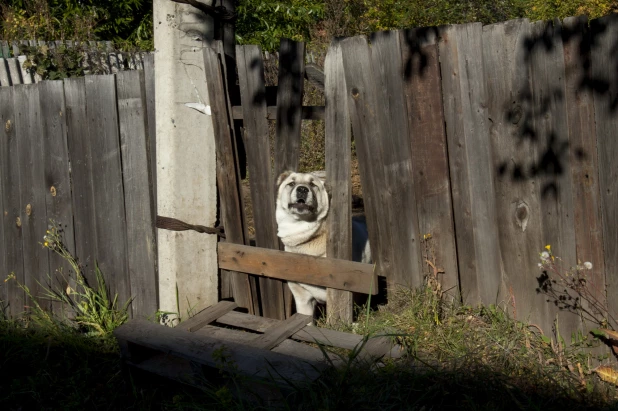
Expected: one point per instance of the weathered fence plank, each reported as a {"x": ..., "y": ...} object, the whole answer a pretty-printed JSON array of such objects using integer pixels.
[
  {"x": 338, "y": 158},
  {"x": 14, "y": 71},
  {"x": 362, "y": 101},
  {"x": 108, "y": 193},
  {"x": 149, "y": 78},
  {"x": 464, "y": 98},
  {"x": 11, "y": 212},
  {"x": 228, "y": 175},
  {"x": 251, "y": 80},
  {"x": 392, "y": 113},
  {"x": 138, "y": 196},
  {"x": 421, "y": 71},
  {"x": 5, "y": 75},
  {"x": 57, "y": 182},
  {"x": 31, "y": 189},
  {"x": 603, "y": 71},
  {"x": 26, "y": 77}
]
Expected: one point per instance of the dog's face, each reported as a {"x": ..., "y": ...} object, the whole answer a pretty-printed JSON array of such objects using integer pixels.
[{"x": 303, "y": 195}]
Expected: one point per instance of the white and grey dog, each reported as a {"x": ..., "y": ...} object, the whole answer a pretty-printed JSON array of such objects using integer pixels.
[{"x": 303, "y": 202}]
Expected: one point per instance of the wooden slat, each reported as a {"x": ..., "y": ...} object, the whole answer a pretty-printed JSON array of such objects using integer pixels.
[
  {"x": 368, "y": 135},
  {"x": 14, "y": 71},
  {"x": 81, "y": 175},
  {"x": 289, "y": 105},
  {"x": 109, "y": 204},
  {"x": 605, "y": 32},
  {"x": 584, "y": 167},
  {"x": 279, "y": 332},
  {"x": 338, "y": 139},
  {"x": 228, "y": 175},
  {"x": 206, "y": 316},
  {"x": 149, "y": 78},
  {"x": 57, "y": 180},
  {"x": 307, "y": 112},
  {"x": 137, "y": 181},
  {"x": 32, "y": 189},
  {"x": 202, "y": 349},
  {"x": 397, "y": 159},
  {"x": 5, "y": 75},
  {"x": 251, "y": 80},
  {"x": 464, "y": 99},
  {"x": 6, "y": 50},
  {"x": 10, "y": 189},
  {"x": 550, "y": 129},
  {"x": 421, "y": 71},
  {"x": 326, "y": 272},
  {"x": 315, "y": 75},
  {"x": 26, "y": 77}
]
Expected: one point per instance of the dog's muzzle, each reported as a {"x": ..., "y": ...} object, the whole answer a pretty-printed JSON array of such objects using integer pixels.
[{"x": 302, "y": 203}]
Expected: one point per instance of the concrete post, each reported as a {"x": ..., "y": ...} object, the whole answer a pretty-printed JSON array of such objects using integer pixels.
[{"x": 186, "y": 182}]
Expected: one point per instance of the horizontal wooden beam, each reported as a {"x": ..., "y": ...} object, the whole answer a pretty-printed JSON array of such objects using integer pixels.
[
  {"x": 325, "y": 272},
  {"x": 308, "y": 113}
]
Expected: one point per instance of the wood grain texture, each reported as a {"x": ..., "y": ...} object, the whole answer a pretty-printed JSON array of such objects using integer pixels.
[
  {"x": 57, "y": 181},
  {"x": 32, "y": 190},
  {"x": 138, "y": 196},
  {"x": 5, "y": 75},
  {"x": 427, "y": 137},
  {"x": 338, "y": 158},
  {"x": 228, "y": 175},
  {"x": 289, "y": 105},
  {"x": 206, "y": 316},
  {"x": 279, "y": 332},
  {"x": 149, "y": 80},
  {"x": 366, "y": 126},
  {"x": 392, "y": 114},
  {"x": 605, "y": 31},
  {"x": 11, "y": 211},
  {"x": 326, "y": 272},
  {"x": 107, "y": 182},
  {"x": 257, "y": 144},
  {"x": 465, "y": 110}
]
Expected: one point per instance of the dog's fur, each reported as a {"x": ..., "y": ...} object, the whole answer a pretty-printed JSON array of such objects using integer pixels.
[{"x": 303, "y": 202}]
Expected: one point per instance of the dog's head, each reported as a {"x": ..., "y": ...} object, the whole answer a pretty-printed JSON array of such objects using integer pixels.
[{"x": 303, "y": 195}]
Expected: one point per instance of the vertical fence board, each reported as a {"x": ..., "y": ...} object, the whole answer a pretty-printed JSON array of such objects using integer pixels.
[
  {"x": 5, "y": 75},
  {"x": 26, "y": 77},
  {"x": 81, "y": 175},
  {"x": 397, "y": 159},
  {"x": 14, "y": 71},
  {"x": 10, "y": 189},
  {"x": 57, "y": 182},
  {"x": 111, "y": 236},
  {"x": 6, "y": 50},
  {"x": 517, "y": 193},
  {"x": 228, "y": 176},
  {"x": 465, "y": 111},
  {"x": 149, "y": 76},
  {"x": 604, "y": 60},
  {"x": 551, "y": 134},
  {"x": 362, "y": 101},
  {"x": 253, "y": 95},
  {"x": 583, "y": 143},
  {"x": 137, "y": 178},
  {"x": 32, "y": 189},
  {"x": 421, "y": 71},
  {"x": 338, "y": 136}
]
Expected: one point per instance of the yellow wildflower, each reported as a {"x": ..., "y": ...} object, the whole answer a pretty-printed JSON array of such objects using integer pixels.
[{"x": 548, "y": 248}]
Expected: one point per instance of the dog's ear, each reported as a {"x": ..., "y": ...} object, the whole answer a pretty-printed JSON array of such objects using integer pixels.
[
  {"x": 329, "y": 191},
  {"x": 283, "y": 176}
]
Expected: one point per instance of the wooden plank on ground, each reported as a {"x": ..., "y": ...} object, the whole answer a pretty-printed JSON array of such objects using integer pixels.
[
  {"x": 57, "y": 179},
  {"x": 202, "y": 349},
  {"x": 256, "y": 139},
  {"x": 550, "y": 130},
  {"x": 604, "y": 31},
  {"x": 471, "y": 170},
  {"x": 109, "y": 196},
  {"x": 279, "y": 332},
  {"x": 228, "y": 175},
  {"x": 517, "y": 193},
  {"x": 11, "y": 212},
  {"x": 421, "y": 71},
  {"x": 368, "y": 135},
  {"x": 138, "y": 195},
  {"x": 81, "y": 175},
  {"x": 289, "y": 105},
  {"x": 32, "y": 190},
  {"x": 585, "y": 163},
  {"x": 326, "y": 272},
  {"x": 5, "y": 74},
  {"x": 338, "y": 140},
  {"x": 407, "y": 267},
  {"x": 206, "y": 316}
]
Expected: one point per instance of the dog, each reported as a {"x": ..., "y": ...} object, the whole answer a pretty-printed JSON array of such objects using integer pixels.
[{"x": 303, "y": 202}]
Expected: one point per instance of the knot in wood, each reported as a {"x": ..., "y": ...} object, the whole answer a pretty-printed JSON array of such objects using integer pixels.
[
  {"x": 18, "y": 222},
  {"x": 522, "y": 214},
  {"x": 52, "y": 190},
  {"x": 29, "y": 209},
  {"x": 355, "y": 92}
]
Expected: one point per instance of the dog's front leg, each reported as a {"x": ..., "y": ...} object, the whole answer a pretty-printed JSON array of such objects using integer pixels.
[{"x": 305, "y": 303}]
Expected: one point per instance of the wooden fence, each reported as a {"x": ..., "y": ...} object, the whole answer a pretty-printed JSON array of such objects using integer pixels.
[
  {"x": 495, "y": 140},
  {"x": 78, "y": 152}
]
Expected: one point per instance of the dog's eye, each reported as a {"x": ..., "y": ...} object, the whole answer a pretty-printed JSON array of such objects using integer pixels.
[
  {"x": 312, "y": 184},
  {"x": 291, "y": 184}
]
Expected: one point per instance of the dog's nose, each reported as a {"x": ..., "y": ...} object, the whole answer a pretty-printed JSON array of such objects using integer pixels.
[{"x": 301, "y": 192}]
